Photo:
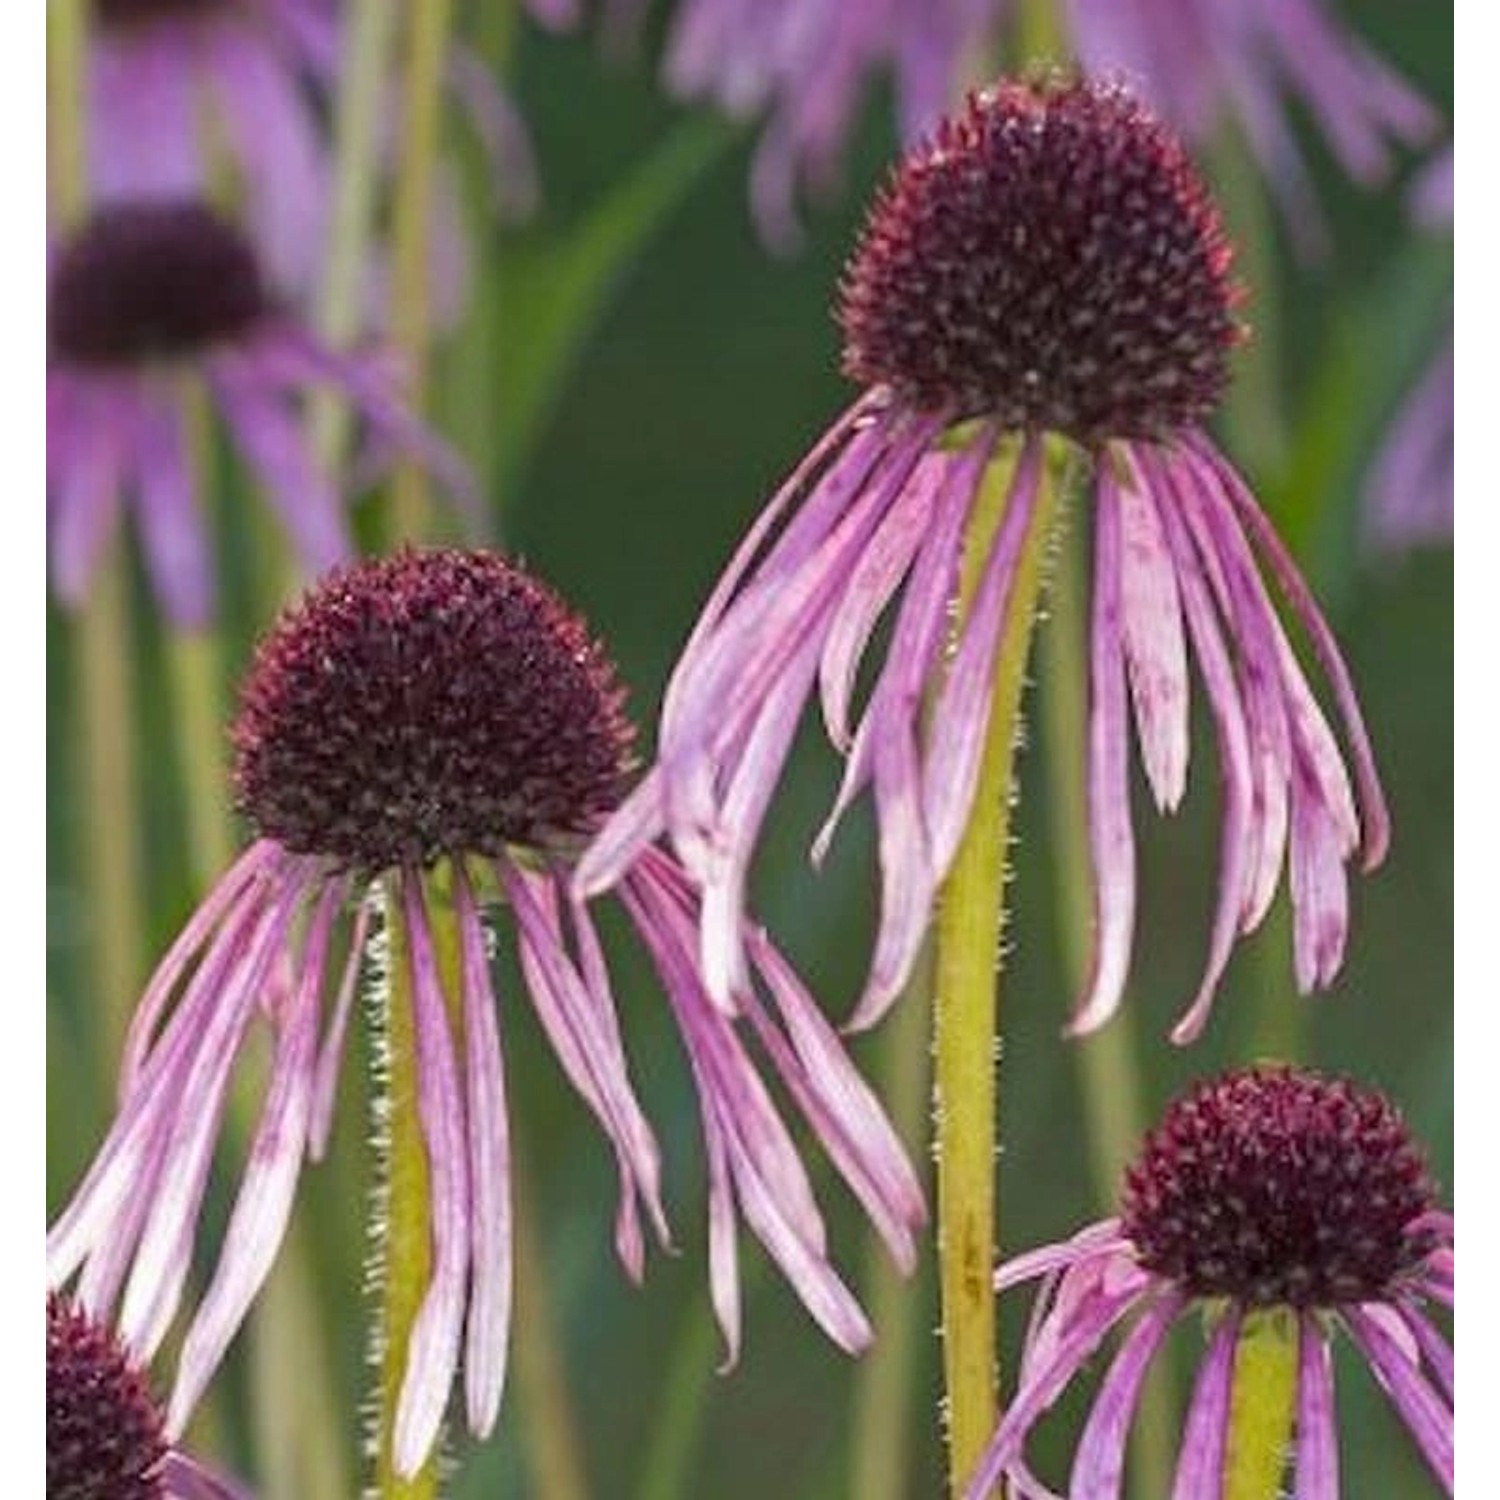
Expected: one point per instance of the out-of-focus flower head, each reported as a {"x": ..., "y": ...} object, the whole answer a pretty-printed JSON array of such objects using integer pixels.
[
  {"x": 1283, "y": 1208},
  {"x": 437, "y": 728},
  {"x": 1049, "y": 263},
  {"x": 144, "y": 301}
]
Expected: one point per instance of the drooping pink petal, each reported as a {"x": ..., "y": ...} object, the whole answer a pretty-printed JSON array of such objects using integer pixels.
[
  {"x": 177, "y": 550},
  {"x": 1099, "y": 1459},
  {"x": 1317, "y": 1461},
  {"x": 1111, "y": 836},
  {"x": 184, "y": 1478},
  {"x": 1103, "y": 1238},
  {"x": 433, "y": 1345},
  {"x": 1320, "y": 893},
  {"x": 488, "y": 1334},
  {"x": 1427, "y": 1418},
  {"x": 1155, "y": 649},
  {"x": 331, "y": 1055},
  {"x": 1200, "y": 1462},
  {"x": 723, "y": 1251},
  {"x": 1436, "y": 1350},
  {"x": 86, "y": 486},
  {"x": 264, "y": 1202},
  {"x": 635, "y": 824}
]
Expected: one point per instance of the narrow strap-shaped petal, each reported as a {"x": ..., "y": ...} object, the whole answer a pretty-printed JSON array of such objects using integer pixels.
[
  {"x": 1320, "y": 893},
  {"x": 1043, "y": 1387},
  {"x": 264, "y": 1202},
  {"x": 165, "y": 1252},
  {"x": 1234, "y": 755},
  {"x": 1317, "y": 1461},
  {"x": 582, "y": 1045},
  {"x": 633, "y": 826},
  {"x": 1098, "y": 1239},
  {"x": 723, "y": 1249},
  {"x": 500, "y": 127},
  {"x": 1427, "y": 1417},
  {"x": 331, "y": 1055},
  {"x": 260, "y": 858},
  {"x": 1099, "y": 1460},
  {"x": 490, "y": 1218},
  {"x": 143, "y": 141},
  {"x": 1111, "y": 837},
  {"x": 1436, "y": 1350},
  {"x": 86, "y": 486},
  {"x": 175, "y": 543},
  {"x": 267, "y": 432},
  {"x": 871, "y": 585},
  {"x": 1376, "y": 817},
  {"x": 961, "y": 717},
  {"x": 184, "y": 1478},
  {"x": 1155, "y": 648},
  {"x": 1200, "y": 1462},
  {"x": 432, "y": 1348}
]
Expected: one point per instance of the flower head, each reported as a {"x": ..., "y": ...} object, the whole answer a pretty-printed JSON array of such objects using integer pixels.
[
  {"x": 1269, "y": 1199},
  {"x": 439, "y": 729},
  {"x": 142, "y": 300},
  {"x": 1047, "y": 264},
  {"x": 105, "y": 1437}
]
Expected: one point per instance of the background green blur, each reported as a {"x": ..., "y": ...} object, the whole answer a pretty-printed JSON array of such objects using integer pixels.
[{"x": 623, "y": 463}]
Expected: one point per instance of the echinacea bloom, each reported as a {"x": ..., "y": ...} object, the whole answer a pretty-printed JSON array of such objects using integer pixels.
[
  {"x": 263, "y": 73},
  {"x": 807, "y": 65},
  {"x": 438, "y": 726},
  {"x": 105, "y": 1437},
  {"x": 1270, "y": 1201},
  {"x": 1260, "y": 62},
  {"x": 1048, "y": 264},
  {"x": 1409, "y": 502},
  {"x": 144, "y": 300}
]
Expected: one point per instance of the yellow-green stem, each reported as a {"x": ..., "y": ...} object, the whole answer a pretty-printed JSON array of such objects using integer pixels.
[
  {"x": 1041, "y": 34},
  {"x": 422, "y": 81},
  {"x": 1262, "y": 1405},
  {"x": 363, "y": 82},
  {"x": 1112, "y": 1090},
  {"x": 970, "y": 921},
  {"x": 880, "y": 1450},
  {"x": 553, "y": 1447},
  {"x": 67, "y": 37},
  {"x": 406, "y": 1250}
]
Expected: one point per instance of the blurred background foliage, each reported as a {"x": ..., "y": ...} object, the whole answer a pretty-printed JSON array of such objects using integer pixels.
[{"x": 634, "y": 375}]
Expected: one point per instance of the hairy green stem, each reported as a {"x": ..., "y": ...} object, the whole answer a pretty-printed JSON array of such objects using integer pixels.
[
  {"x": 422, "y": 82},
  {"x": 970, "y": 921},
  {"x": 880, "y": 1447},
  {"x": 1262, "y": 1405},
  {"x": 1112, "y": 1090}
]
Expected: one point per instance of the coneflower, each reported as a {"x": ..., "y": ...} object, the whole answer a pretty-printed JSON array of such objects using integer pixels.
[
  {"x": 439, "y": 729},
  {"x": 1048, "y": 266}
]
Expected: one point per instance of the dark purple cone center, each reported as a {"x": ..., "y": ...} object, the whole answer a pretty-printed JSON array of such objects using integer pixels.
[
  {"x": 1050, "y": 259},
  {"x": 425, "y": 705},
  {"x": 104, "y": 1433},
  {"x": 122, "y": 13},
  {"x": 151, "y": 281},
  {"x": 1274, "y": 1186}
]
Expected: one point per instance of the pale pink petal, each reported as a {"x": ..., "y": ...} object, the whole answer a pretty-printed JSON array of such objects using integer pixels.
[
  {"x": 1200, "y": 1463},
  {"x": 176, "y": 545},
  {"x": 1427, "y": 1418},
  {"x": 1320, "y": 894},
  {"x": 1317, "y": 1462},
  {"x": 331, "y": 1056}
]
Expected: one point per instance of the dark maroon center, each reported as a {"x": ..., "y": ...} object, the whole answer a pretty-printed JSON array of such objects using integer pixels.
[
  {"x": 1051, "y": 259},
  {"x": 429, "y": 704},
  {"x": 121, "y": 13},
  {"x": 1276, "y": 1186},
  {"x": 153, "y": 280},
  {"x": 104, "y": 1433}
]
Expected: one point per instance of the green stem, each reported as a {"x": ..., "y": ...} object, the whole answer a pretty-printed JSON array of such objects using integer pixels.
[
  {"x": 426, "y": 50},
  {"x": 1262, "y": 1405},
  {"x": 67, "y": 37},
  {"x": 1112, "y": 1090},
  {"x": 356, "y": 131},
  {"x": 970, "y": 920},
  {"x": 553, "y": 1446},
  {"x": 405, "y": 1201},
  {"x": 880, "y": 1450}
]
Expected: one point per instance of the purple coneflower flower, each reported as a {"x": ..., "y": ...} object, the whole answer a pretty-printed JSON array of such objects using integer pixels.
[
  {"x": 143, "y": 299},
  {"x": 263, "y": 67},
  {"x": 1266, "y": 1194},
  {"x": 105, "y": 1438},
  {"x": 806, "y": 65},
  {"x": 1048, "y": 264},
  {"x": 1410, "y": 499},
  {"x": 1199, "y": 61},
  {"x": 445, "y": 712}
]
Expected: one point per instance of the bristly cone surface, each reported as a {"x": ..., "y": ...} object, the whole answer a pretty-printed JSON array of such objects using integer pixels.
[
  {"x": 1051, "y": 259},
  {"x": 151, "y": 280},
  {"x": 425, "y": 705},
  {"x": 1275, "y": 1186},
  {"x": 104, "y": 1433}
]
